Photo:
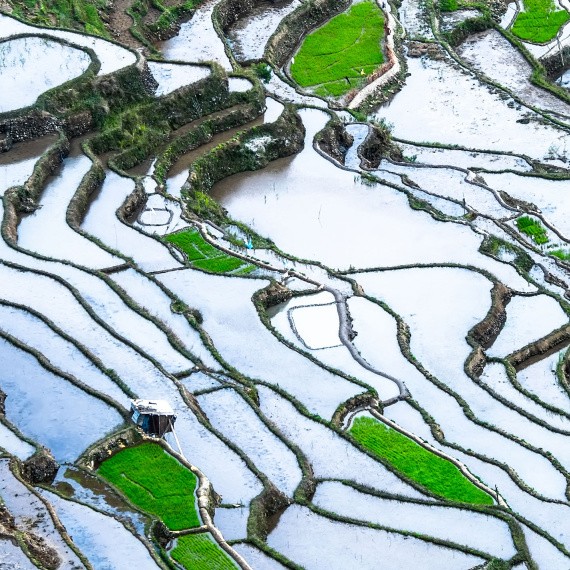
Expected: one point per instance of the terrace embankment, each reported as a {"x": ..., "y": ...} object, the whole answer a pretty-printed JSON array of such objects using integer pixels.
[
  {"x": 202, "y": 132},
  {"x": 485, "y": 333},
  {"x": 541, "y": 348},
  {"x": 228, "y": 12},
  {"x": 39, "y": 551},
  {"x": 334, "y": 140},
  {"x": 33, "y": 125},
  {"x": 251, "y": 150},
  {"x": 558, "y": 63},
  {"x": 378, "y": 145},
  {"x": 40, "y": 468},
  {"x": 21, "y": 199}
]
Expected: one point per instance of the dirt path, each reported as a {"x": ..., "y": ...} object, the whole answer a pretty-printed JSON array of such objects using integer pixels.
[{"x": 120, "y": 22}]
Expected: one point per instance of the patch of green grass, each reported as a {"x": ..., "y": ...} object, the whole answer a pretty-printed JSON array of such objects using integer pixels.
[
  {"x": 540, "y": 21},
  {"x": 75, "y": 14},
  {"x": 532, "y": 228},
  {"x": 263, "y": 71},
  {"x": 344, "y": 47},
  {"x": 156, "y": 483},
  {"x": 438, "y": 475},
  {"x": 205, "y": 256},
  {"x": 448, "y": 5},
  {"x": 563, "y": 254},
  {"x": 195, "y": 551}
]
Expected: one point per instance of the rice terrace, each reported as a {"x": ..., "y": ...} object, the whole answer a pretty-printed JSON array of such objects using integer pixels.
[{"x": 285, "y": 284}]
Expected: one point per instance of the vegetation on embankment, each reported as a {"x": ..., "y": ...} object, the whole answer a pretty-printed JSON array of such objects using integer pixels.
[
  {"x": 74, "y": 14},
  {"x": 250, "y": 150},
  {"x": 540, "y": 21},
  {"x": 334, "y": 58},
  {"x": 433, "y": 472},
  {"x": 156, "y": 483},
  {"x": 150, "y": 20},
  {"x": 202, "y": 255},
  {"x": 138, "y": 130},
  {"x": 205, "y": 130}
]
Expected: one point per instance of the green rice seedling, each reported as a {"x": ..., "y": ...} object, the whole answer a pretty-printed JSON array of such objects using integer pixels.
[
  {"x": 205, "y": 256},
  {"x": 433, "y": 472},
  {"x": 540, "y": 21},
  {"x": 532, "y": 228},
  {"x": 219, "y": 264},
  {"x": 335, "y": 57},
  {"x": 200, "y": 551},
  {"x": 562, "y": 254},
  {"x": 156, "y": 483}
]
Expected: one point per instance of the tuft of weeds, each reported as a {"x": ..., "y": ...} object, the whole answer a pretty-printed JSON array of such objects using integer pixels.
[{"x": 532, "y": 228}]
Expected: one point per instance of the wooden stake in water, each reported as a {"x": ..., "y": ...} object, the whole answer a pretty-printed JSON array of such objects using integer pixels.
[{"x": 176, "y": 439}]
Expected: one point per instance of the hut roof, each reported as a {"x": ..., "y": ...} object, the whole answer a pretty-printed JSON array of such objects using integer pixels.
[{"x": 154, "y": 407}]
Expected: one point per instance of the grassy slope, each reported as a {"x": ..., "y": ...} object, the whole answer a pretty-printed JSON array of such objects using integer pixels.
[
  {"x": 433, "y": 472},
  {"x": 540, "y": 22},
  {"x": 205, "y": 256},
  {"x": 196, "y": 551},
  {"x": 156, "y": 483},
  {"x": 347, "y": 44},
  {"x": 76, "y": 14}
]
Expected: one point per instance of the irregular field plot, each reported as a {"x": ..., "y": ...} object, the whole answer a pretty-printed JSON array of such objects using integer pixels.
[
  {"x": 540, "y": 22},
  {"x": 345, "y": 46},
  {"x": 315, "y": 543},
  {"x": 433, "y": 472},
  {"x": 205, "y": 256},
  {"x": 49, "y": 409},
  {"x": 523, "y": 324},
  {"x": 446, "y": 523},
  {"x": 27, "y": 66},
  {"x": 155, "y": 482},
  {"x": 231, "y": 415},
  {"x": 103, "y": 539},
  {"x": 316, "y": 325}
]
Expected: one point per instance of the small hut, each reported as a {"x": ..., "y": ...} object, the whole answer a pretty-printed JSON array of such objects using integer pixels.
[{"x": 154, "y": 417}]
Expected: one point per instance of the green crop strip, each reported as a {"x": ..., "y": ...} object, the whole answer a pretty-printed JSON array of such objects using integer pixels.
[
  {"x": 438, "y": 475},
  {"x": 346, "y": 47},
  {"x": 156, "y": 483},
  {"x": 532, "y": 228},
  {"x": 205, "y": 256},
  {"x": 200, "y": 551},
  {"x": 540, "y": 22}
]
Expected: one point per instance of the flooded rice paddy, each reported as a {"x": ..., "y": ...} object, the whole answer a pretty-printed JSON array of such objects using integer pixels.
[{"x": 322, "y": 290}]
